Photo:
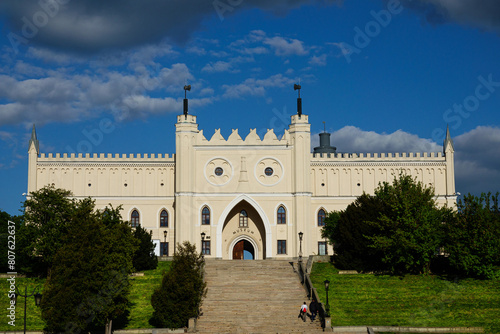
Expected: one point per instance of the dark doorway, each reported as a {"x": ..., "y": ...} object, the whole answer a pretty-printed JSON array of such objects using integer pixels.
[{"x": 243, "y": 250}]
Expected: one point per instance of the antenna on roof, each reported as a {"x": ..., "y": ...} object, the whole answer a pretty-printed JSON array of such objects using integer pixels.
[
  {"x": 299, "y": 100},
  {"x": 186, "y": 88},
  {"x": 324, "y": 127}
]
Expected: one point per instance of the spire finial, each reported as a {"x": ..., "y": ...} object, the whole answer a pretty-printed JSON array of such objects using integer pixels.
[
  {"x": 299, "y": 100},
  {"x": 186, "y": 88},
  {"x": 448, "y": 140},
  {"x": 34, "y": 140}
]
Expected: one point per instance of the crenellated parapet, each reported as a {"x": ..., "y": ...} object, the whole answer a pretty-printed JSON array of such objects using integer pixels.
[
  {"x": 319, "y": 159},
  {"x": 108, "y": 157},
  {"x": 251, "y": 139}
]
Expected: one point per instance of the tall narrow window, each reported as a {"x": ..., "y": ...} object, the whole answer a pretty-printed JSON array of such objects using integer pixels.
[
  {"x": 321, "y": 248},
  {"x": 243, "y": 218},
  {"x": 321, "y": 217},
  {"x": 164, "y": 218},
  {"x": 205, "y": 247},
  {"x": 205, "y": 216},
  {"x": 134, "y": 218},
  {"x": 281, "y": 215},
  {"x": 281, "y": 246},
  {"x": 164, "y": 248}
]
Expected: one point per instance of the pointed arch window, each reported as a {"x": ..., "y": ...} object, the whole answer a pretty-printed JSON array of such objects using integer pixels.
[
  {"x": 134, "y": 218},
  {"x": 281, "y": 215},
  {"x": 164, "y": 218},
  {"x": 205, "y": 216},
  {"x": 321, "y": 217},
  {"x": 243, "y": 218}
]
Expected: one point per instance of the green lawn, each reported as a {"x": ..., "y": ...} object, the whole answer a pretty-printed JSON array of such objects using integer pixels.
[
  {"x": 424, "y": 301},
  {"x": 140, "y": 295},
  {"x": 427, "y": 301}
]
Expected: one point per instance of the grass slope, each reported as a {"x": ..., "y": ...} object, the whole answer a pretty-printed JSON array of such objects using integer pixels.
[
  {"x": 423, "y": 301},
  {"x": 142, "y": 288}
]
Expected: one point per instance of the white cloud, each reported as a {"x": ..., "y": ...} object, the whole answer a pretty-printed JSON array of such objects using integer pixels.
[
  {"x": 353, "y": 139},
  {"x": 286, "y": 46},
  {"x": 219, "y": 66},
  {"x": 477, "y": 152},
  {"x": 256, "y": 87},
  {"x": 318, "y": 60},
  {"x": 477, "y": 162}
]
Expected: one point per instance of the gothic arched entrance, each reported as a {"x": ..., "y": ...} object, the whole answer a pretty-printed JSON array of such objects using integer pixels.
[
  {"x": 243, "y": 233},
  {"x": 243, "y": 250}
]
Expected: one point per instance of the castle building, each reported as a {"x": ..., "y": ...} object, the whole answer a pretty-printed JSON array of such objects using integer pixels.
[{"x": 238, "y": 197}]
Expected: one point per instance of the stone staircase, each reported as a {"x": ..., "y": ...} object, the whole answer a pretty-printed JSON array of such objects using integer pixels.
[{"x": 253, "y": 297}]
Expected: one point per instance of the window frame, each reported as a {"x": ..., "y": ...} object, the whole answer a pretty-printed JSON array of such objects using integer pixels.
[
  {"x": 322, "y": 243},
  {"x": 205, "y": 247},
  {"x": 164, "y": 219},
  {"x": 163, "y": 247},
  {"x": 281, "y": 250},
  {"x": 281, "y": 216},
  {"x": 243, "y": 221},
  {"x": 321, "y": 217},
  {"x": 135, "y": 221},
  {"x": 205, "y": 216}
]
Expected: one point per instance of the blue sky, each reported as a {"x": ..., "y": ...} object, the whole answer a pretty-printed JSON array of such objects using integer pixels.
[{"x": 384, "y": 76}]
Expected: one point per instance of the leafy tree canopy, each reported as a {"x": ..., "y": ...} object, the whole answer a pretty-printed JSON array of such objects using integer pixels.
[
  {"x": 473, "y": 237},
  {"x": 396, "y": 230},
  {"x": 88, "y": 283},
  {"x": 47, "y": 214}
]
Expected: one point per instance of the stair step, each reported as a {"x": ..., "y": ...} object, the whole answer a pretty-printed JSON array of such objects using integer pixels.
[{"x": 253, "y": 297}]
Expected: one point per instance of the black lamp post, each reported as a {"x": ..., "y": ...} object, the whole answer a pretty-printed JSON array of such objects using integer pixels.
[
  {"x": 165, "y": 233},
  {"x": 327, "y": 285},
  {"x": 38, "y": 300},
  {"x": 300, "y": 247},
  {"x": 202, "y": 242}
]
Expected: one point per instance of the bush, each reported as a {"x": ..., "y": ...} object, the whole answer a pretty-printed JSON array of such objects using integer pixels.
[
  {"x": 144, "y": 257},
  {"x": 182, "y": 289}
]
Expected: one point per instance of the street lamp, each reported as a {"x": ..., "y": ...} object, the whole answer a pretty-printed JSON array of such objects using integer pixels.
[
  {"x": 300, "y": 249},
  {"x": 38, "y": 300},
  {"x": 327, "y": 285},
  {"x": 202, "y": 242},
  {"x": 164, "y": 249}
]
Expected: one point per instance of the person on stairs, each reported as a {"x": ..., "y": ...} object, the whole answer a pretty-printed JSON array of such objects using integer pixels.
[
  {"x": 313, "y": 308},
  {"x": 303, "y": 312}
]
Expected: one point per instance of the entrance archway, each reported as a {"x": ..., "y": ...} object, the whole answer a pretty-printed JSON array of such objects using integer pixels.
[
  {"x": 243, "y": 250},
  {"x": 232, "y": 227}
]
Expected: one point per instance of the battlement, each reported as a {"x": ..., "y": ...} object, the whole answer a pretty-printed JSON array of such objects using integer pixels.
[
  {"x": 359, "y": 157},
  {"x": 109, "y": 157},
  {"x": 252, "y": 138}
]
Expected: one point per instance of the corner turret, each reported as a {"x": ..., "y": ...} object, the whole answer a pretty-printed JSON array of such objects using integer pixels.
[
  {"x": 448, "y": 142},
  {"x": 33, "y": 144},
  {"x": 33, "y": 153}
]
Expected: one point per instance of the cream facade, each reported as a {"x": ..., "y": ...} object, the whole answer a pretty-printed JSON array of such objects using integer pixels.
[{"x": 250, "y": 196}]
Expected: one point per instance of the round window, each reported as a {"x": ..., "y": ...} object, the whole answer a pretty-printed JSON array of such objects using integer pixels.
[
  {"x": 269, "y": 171},
  {"x": 219, "y": 171}
]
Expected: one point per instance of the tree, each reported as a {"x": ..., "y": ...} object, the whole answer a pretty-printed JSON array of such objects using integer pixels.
[
  {"x": 182, "y": 289},
  {"x": 144, "y": 257},
  {"x": 397, "y": 230},
  {"x": 348, "y": 231},
  {"x": 410, "y": 226},
  {"x": 88, "y": 284},
  {"x": 47, "y": 217},
  {"x": 473, "y": 237}
]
